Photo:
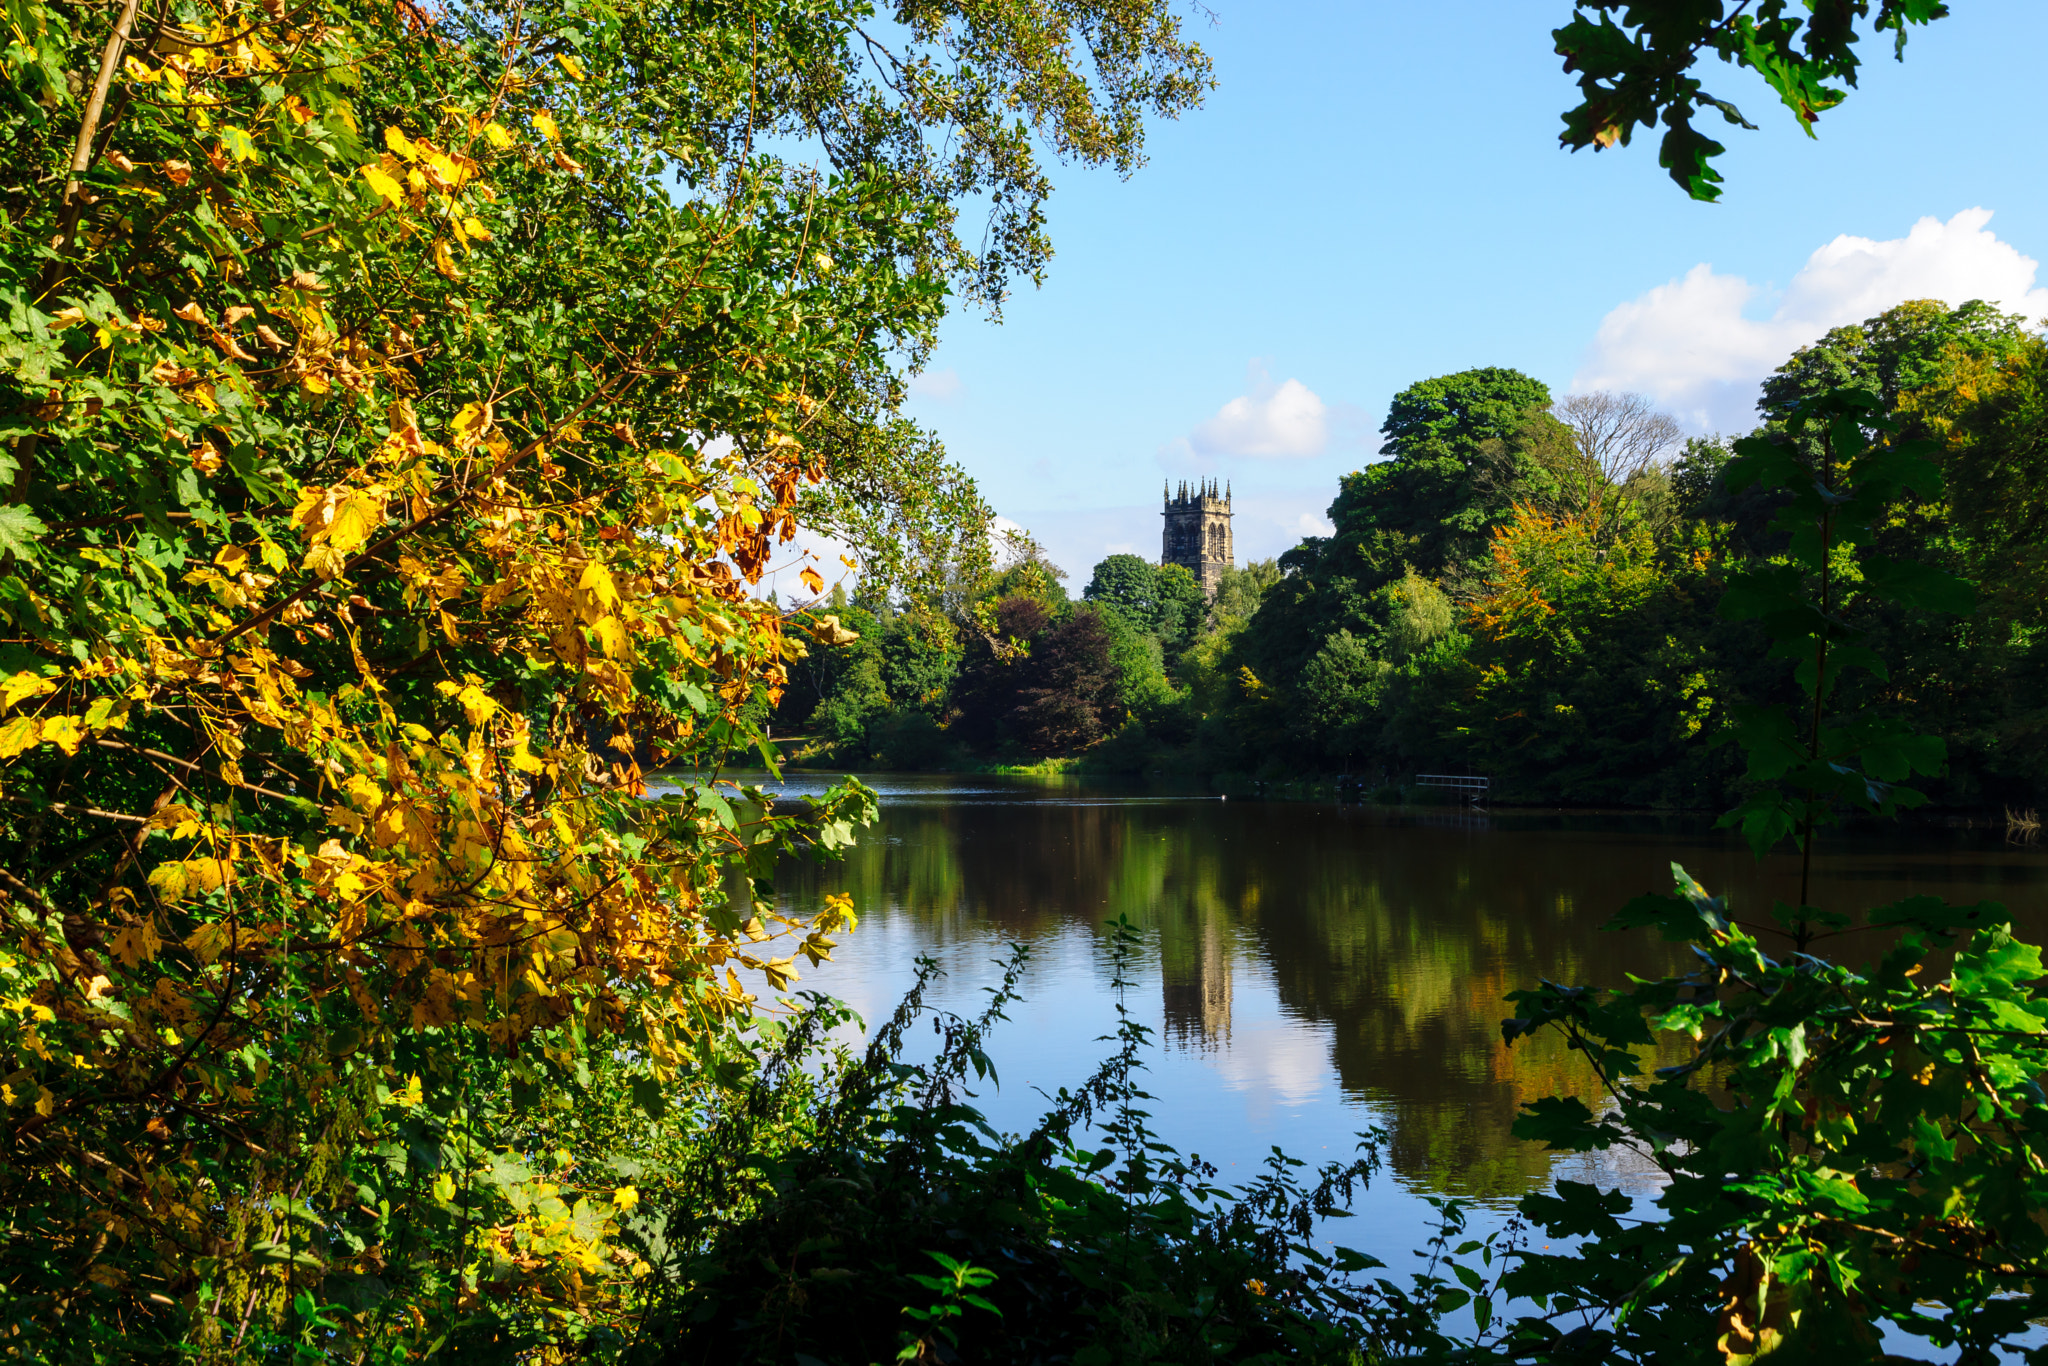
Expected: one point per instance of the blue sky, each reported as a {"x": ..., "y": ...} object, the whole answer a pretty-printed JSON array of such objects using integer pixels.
[{"x": 1374, "y": 195}]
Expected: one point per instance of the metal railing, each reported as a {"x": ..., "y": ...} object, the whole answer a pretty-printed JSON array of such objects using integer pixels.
[{"x": 1472, "y": 785}]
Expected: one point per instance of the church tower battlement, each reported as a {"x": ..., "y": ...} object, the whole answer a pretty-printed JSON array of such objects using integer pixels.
[{"x": 1198, "y": 532}]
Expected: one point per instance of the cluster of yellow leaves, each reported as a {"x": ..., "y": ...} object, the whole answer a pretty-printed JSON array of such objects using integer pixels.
[{"x": 473, "y": 877}]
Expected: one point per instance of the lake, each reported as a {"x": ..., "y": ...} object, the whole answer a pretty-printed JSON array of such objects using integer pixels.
[{"x": 1312, "y": 970}]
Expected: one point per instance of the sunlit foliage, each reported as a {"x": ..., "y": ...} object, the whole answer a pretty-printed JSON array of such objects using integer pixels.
[{"x": 401, "y": 406}]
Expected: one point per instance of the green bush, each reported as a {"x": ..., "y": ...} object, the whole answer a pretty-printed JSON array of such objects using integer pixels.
[
  {"x": 904, "y": 1228},
  {"x": 909, "y": 740}
]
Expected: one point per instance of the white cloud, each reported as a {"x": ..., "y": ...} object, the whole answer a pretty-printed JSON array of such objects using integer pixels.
[
  {"x": 1269, "y": 420},
  {"x": 1691, "y": 345},
  {"x": 940, "y": 386}
]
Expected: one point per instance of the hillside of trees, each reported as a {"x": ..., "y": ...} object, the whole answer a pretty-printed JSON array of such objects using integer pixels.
[{"x": 1525, "y": 586}]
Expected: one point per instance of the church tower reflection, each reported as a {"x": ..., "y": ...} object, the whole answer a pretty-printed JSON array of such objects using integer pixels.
[{"x": 1196, "y": 990}]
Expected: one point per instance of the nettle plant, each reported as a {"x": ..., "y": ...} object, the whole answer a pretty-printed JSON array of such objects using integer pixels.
[{"x": 1849, "y": 1150}]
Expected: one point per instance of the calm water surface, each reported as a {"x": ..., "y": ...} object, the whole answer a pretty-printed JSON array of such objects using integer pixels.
[{"x": 1313, "y": 970}]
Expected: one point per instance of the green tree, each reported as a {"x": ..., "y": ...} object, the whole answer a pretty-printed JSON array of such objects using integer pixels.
[
  {"x": 1885, "y": 1131},
  {"x": 1240, "y": 591},
  {"x": 1182, "y": 608},
  {"x": 1128, "y": 582},
  {"x": 1915, "y": 345},
  {"x": 1068, "y": 694},
  {"x": 1419, "y": 614},
  {"x": 1165, "y": 601},
  {"x": 1460, "y": 456},
  {"x": 1427, "y": 493}
]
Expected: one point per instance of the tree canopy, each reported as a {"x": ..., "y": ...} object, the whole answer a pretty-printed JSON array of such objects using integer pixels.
[{"x": 401, "y": 408}]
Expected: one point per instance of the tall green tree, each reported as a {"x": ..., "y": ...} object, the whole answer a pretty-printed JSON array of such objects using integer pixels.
[
  {"x": 1461, "y": 451},
  {"x": 1165, "y": 601},
  {"x": 1426, "y": 503}
]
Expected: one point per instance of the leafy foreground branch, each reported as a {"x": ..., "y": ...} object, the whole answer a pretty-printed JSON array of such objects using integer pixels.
[{"x": 1847, "y": 1149}]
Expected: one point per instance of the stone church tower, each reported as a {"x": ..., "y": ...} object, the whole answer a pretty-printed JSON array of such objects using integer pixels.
[{"x": 1198, "y": 533}]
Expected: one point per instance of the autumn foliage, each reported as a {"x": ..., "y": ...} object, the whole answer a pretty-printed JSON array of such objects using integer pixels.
[{"x": 399, "y": 407}]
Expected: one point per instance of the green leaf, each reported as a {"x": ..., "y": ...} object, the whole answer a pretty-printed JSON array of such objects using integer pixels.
[
  {"x": 20, "y": 531},
  {"x": 650, "y": 1096},
  {"x": 1936, "y": 916},
  {"x": 1562, "y": 1124},
  {"x": 1911, "y": 584},
  {"x": 1577, "y": 1210}
]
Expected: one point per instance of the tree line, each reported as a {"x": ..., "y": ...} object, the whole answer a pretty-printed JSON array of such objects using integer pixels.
[{"x": 1525, "y": 587}]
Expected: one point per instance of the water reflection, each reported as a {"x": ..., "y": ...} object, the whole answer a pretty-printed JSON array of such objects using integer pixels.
[{"x": 1343, "y": 958}]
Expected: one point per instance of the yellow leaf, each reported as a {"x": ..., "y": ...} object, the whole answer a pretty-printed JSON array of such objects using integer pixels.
[
  {"x": 476, "y": 704},
  {"x": 326, "y": 561},
  {"x": 444, "y": 260},
  {"x": 411, "y": 1095},
  {"x": 67, "y": 317},
  {"x": 546, "y": 123},
  {"x": 398, "y": 142},
  {"x": 353, "y": 522},
  {"x": 63, "y": 732},
  {"x": 476, "y": 229},
  {"x": 180, "y": 878},
  {"x": 497, "y": 136},
  {"x": 46, "y": 1103},
  {"x": 444, "y": 1184},
  {"x": 208, "y": 941},
  {"x": 471, "y": 424},
  {"x": 23, "y": 685},
  {"x": 571, "y": 65},
  {"x": 391, "y": 190},
  {"x": 137, "y": 944},
  {"x": 831, "y": 632},
  {"x": 611, "y": 637},
  {"x": 812, "y": 579},
  {"x": 169, "y": 880},
  {"x": 599, "y": 593},
  {"x": 172, "y": 817},
  {"x": 18, "y": 734},
  {"x": 625, "y": 1197},
  {"x": 838, "y": 913}
]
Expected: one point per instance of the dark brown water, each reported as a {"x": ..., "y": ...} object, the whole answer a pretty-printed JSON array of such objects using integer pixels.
[{"x": 1315, "y": 969}]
